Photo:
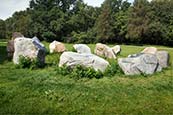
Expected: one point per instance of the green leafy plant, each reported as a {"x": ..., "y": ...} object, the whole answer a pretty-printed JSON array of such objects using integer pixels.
[
  {"x": 63, "y": 70},
  {"x": 84, "y": 72},
  {"x": 26, "y": 62},
  {"x": 113, "y": 69},
  {"x": 79, "y": 72}
]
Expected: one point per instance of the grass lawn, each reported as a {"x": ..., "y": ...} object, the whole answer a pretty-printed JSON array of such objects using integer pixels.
[{"x": 42, "y": 91}]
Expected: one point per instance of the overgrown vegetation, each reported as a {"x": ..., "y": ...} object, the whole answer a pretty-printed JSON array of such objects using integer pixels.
[
  {"x": 113, "y": 69},
  {"x": 26, "y": 62},
  {"x": 79, "y": 72}
]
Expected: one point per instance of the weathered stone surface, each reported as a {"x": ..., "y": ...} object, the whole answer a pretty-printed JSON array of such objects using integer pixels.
[
  {"x": 16, "y": 35},
  {"x": 150, "y": 50},
  {"x": 104, "y": 50},
  {"x": 163, "y": 57},
  {"x": 10, "y": 48},
  {"x": 72, "y": 59},
  {"x": 116, "y": 49},
  {"x": 28, "y": 48},
  {"x": 35, "y": 39},
  {"x": 141, "y": 64},
  {"x": 82, "y": 48},
  {"x": 57, "y": 47}
]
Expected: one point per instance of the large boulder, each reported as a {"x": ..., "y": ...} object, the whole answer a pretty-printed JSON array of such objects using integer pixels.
[
  {"x": 140, "y": 64},
  {"x": 17, "y": 35},
  {"x": 72, "y": 59},
  {"x": 82, "y": 48},
  {"x": 28, "y": 48},
  {"x": 163, "y": 57},
  {"x": 57, "y": 47},
  {"x": 116, "y": 49},
  {"x": 10, "y": 48},
  {"x": 104, "y": 50},
  {"x": 150, "y": 50}
]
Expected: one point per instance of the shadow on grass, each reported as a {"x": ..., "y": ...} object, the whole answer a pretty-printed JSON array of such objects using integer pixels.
[{"x": 3, "y": 54}]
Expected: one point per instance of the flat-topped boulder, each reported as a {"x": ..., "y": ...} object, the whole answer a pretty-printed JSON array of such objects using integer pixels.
[
  {"x": 82, "y": 48},
  {"x": 57, "y": 47},
  {"x": 71, "y": 59},
  {"x": 140, "y": 64},
  {"x": 104, "y": 51},
  {"x": 30, "y": 48},
  {"x": 149, "y": 50}
]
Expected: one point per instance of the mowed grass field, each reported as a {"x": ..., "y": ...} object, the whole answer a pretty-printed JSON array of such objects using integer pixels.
[{"x": 43, "y": 91}]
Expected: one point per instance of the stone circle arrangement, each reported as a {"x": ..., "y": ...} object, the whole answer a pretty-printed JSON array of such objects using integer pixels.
[{"x": 148, "y": 61}]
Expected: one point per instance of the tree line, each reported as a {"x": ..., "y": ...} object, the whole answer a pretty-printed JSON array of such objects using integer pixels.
[{"x": 73, "y": 21}]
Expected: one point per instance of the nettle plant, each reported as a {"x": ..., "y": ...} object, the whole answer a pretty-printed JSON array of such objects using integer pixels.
[
  {"x": 88, "y": 72},
  {"x": 26, "y": 62},
  {"x": 79, "y": 72}
]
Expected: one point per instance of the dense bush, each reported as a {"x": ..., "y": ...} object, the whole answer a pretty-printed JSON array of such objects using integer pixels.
[
  {"x": 26, "y": 62},
  {"x": 84, "y": 72},
  {"x": 113, "y": 69},
  {"x": 79, "y": 72}
]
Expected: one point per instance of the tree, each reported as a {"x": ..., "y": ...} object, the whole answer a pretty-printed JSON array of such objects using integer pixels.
[
  {"x": 104, "y": 23},
  {"x": 121, "y": 21},
  {"x": 111, "y": 23},
  {"x": 19, "y": 22},
  {"x": 2, "y": 29},
  {"x": 138, "y": 21},
  {"x": 163, "y": 13},
  {"x": 50, "y": 17}
]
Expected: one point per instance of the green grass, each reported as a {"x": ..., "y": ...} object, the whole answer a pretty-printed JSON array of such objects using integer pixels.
[{"x": 42, "y": 91}]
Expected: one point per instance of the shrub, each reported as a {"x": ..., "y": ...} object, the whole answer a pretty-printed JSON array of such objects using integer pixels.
[
  {"x": 113, "y": 69},
  {"x": 79, "y": 72},
  {"x": 26, "y": 62},
  {"x": 63, "y": 70}
]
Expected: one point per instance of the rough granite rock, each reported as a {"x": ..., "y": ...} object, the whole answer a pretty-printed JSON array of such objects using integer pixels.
[
  {"x": 163, "y": 57},
  {"x": 104, "y": 50},
  {"x": 72, "y": 59},
  {"x": 17, "y": 35},
  {"x": 141, "y": 64},
  {"x": 28, "y": 48},
  {"x": 10, "y": 48},
  {"x": 116, "y": 49},
  {"x": 82, "y": 48},
  {"x": 10, "y": 44},
  {"x": 150, "y": 50},
  {"x": 35, "y": 39},
  {"x": 57, "y": 47}
]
